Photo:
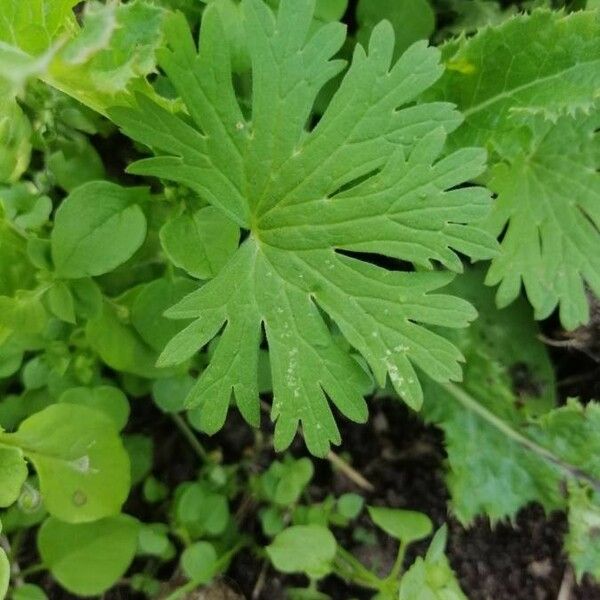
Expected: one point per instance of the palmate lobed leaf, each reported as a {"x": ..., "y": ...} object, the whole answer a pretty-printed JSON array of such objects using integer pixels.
[
  {"x": 366, "y": 178},
  {"x": 529, "y": 90},
  {"x": 549, "y": 204}
]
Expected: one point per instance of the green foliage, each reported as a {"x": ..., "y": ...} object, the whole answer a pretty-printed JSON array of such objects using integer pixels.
[
  {"x": 286, "y": 186},
  {"x": 88, "y": 558},
  {"x": 405, "y": 525},
  {"x": 297, "y": 204},
  {"x": 412, "y": 20},
  {"x": 534, "y": 121},
  {"x": 431, "y": 578},
  {"x": 82, "y": 466},
  {"x": 288, "y": 550},
  {"x": 86, "y": 219}
]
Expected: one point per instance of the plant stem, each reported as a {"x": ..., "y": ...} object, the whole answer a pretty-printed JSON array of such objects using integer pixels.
[
  {"x": 33, "y": 569},
  {"x": 352, "y": 474},
  {"x": 190, "y": 436},
  {"x": 398, "y": 563},
  {"x": 357, "y": 573},
  {"x": 473, "y": 405}
]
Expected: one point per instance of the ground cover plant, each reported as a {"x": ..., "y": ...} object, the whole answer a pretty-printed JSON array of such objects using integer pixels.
[{"x": 298, "y": 295}]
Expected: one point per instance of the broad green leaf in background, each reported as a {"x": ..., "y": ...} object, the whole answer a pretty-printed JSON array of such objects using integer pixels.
[
  {"x": 13, "y": 473},
  {"x": 4, "y": 574},
  {"x": 149, "y": 306},
  {"x": 306, "y": 549},
  {"x": 104, "y": 398},
  {"x": 79, "y": 458},
  {"x": 96, "y": 228},
  {"x": 405, "y": 525},
  {"x": 581, "y": 542},
  {"x": 367, "y": 178},
  {"x": 200, "y": 243},
  {"x": 15, "y": 146},
  {"x": 29, "y": 591},
  {"x": 412, "y": 20},
  {"x": 88, "y": 558},
  {"x": 549, "y": 196},
  {"x": 25, "y": 207},
  {"x": 199, "y": 562}
]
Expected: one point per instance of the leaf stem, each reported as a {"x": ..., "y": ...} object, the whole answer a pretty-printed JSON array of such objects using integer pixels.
[
  {"x": 190, "y": 436},
  {"x": 473, "y": 405}
]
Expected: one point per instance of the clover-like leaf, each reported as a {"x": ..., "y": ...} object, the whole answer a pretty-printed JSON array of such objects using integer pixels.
[
  {"x": 366, "y": 178},
  {"x": 80, "y": 461}
]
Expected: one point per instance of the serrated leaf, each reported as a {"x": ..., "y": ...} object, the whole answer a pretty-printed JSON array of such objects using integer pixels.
[
  {"x": 367, "y": 178},
  {"x": 548, "y": 207},
  {"x": 97, "y": 63},
  {"x": 545, "y": 64},
  {"x": 88, "y": 558},
  {"x": 581, "y": 542},
  {"x": 82, "y": 466},
  {"x": 507, "y": 445}
]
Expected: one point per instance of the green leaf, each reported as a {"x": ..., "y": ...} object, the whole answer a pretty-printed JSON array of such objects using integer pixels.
[
  {"x": 15, "y": 131},
  {"x": 306, "y": 549},
  {"x": 4, "y": 574},
  {"x": 412, "y": 20},
  {"x": 97, "y": 227},
  {"x": 24, "y": 206},
  {"x": 405, "y": 525},
  {"x": 581, "y": 542},
  {"x": 199, "y": 562},
  {"x": 546, "y": 63},
  {"x": 33, "y": 25},
  {"x": 61, "y": 302},
  {"x": 82, "y": 466},
  {"x": 201, "y": 511},
  {"x": 200, "y": 243},
  {"x": 507, "y": 445},
  {"x": 149, "y": 306},
  {"x": 120, "y": 346},
  {"x": 294, "y": 476},
  {"x": 349, "y": 505},
  {"x": 29, "y": 591},
  {"x": 367, "y": 178},
  {"x": 105, "y": 398},
  {"x": 74, "y": 163},
  {"x": 13, "y": 473},
  {"x": 140, "y": 450},
  {"x": 548, "y": 207},
  {"x": 170, "y": 393},
  {"x": 88, "y": 558},
  {"x": 431, "y": 578},
  {"x": 99, "y": 64}
]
